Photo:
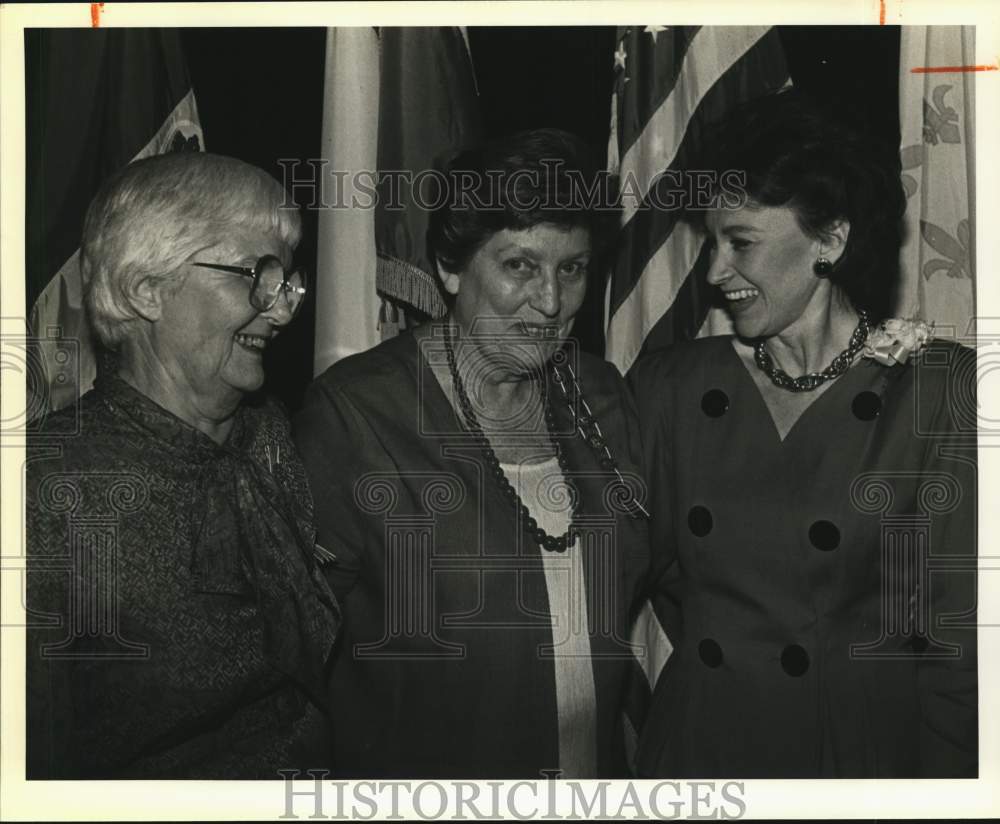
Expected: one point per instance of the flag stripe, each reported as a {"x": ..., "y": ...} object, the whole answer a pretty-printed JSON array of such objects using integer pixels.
[
  {"x": 659, "y": 288},
  {"x": 686, "y": 318},
  {"x": 650, "y": 225},
  {"x": 653, "y": 71},
  {"x": 652, "y": 297},
  {"x": 712, "y": 54},
  {"x": 651, "y": 642}
]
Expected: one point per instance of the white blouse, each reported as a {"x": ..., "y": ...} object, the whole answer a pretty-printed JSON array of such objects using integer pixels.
[{"x": 538, "y": 484}]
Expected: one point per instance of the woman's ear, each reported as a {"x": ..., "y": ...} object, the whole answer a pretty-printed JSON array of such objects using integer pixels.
[
  {"x": 834, "y": 240},
  {"x": 145, "y": 295},
  {"x": 451, "y": 280}
]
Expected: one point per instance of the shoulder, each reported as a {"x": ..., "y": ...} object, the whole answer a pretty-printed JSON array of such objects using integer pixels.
[
  {"x": 368, "y": 376},
  {"x": 940, "y": 368},
  {"x": 77, "y": 436},
  {"x": 370, "y": 390},
  {"x": 602, "y": 385},
  {"x": 79, "y": 457},
  {"x": 946, "y": 356},
  {"x": 677, "y": 364},
  {"x": 268, "y": 420},
  {"x": 88, "y": 412},
  {"x": 944, "y": 381},
  {"x": 597, "y": 372}
]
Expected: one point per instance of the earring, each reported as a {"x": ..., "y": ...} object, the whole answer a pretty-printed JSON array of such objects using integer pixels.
[{"x": 822, "y": 267}]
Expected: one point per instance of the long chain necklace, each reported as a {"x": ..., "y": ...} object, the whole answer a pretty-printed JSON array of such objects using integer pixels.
[
  {"x": 586, "y": 425},
  {"x": 808, "y": 382}
]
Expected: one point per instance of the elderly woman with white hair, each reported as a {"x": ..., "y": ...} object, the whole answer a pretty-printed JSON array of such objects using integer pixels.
[{"x": 179, "y": 622}]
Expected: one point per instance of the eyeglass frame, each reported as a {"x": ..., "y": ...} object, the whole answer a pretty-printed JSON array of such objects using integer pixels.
[{"x": 254, "y": 273}]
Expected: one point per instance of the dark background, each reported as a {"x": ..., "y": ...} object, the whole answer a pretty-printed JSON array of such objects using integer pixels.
[{"x": 260, "y": 98}]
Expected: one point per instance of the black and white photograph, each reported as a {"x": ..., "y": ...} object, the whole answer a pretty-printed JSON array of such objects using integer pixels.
[{"x": 491, "y": 414}]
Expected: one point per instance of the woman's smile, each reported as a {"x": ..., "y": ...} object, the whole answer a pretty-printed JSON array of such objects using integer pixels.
[{"x": 252, "y": 343}]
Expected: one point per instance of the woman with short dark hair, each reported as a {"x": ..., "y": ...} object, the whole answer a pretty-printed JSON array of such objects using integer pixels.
[
  {"x": 476, "y": 481},
  {"x": 180, "y": 623},
  {"x": 802, "y": 472}
]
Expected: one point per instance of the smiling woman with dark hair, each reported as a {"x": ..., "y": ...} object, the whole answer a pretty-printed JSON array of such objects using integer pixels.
[
  {"x": 799, "y": 481},
  {"x": 182, "y": 625},
  {"x": 475, "y": 480}
]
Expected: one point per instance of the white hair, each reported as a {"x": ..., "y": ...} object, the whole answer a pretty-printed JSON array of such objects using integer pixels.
[{"x": 153, "y": 215}]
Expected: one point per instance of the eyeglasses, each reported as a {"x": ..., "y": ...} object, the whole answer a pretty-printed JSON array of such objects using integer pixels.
[{"x": 270, "y": 280}]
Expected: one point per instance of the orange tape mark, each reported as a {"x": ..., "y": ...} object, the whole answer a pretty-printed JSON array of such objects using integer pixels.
[
  {"x": 95, "y": 14},
  {"x": 936, "y": 69},
  {"x": 881, "y": 12}
]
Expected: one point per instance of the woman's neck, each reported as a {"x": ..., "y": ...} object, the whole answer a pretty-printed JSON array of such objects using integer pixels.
[
  {"x": 147, "y": 374},
  {"x": 816, "y": 339},
  {"x": 505, "y": 401}
]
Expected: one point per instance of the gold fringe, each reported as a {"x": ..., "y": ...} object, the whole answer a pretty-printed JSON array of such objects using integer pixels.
[{"x": 409, "y": 284}]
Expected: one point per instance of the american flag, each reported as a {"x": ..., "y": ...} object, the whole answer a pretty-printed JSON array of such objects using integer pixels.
[{"x": 672, "y": 82}]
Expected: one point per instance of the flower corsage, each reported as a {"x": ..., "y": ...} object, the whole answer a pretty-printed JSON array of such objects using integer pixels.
[{"x": 895, "y": 339}]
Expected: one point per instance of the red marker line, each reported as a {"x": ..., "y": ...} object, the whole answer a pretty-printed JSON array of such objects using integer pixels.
[
  {"x": 95, "y": 14},
  {"x": 936, "y": 69}
]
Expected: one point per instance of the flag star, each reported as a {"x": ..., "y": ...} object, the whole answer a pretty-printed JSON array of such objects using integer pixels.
[
  {"x": 620, "y": 56},
  {"x": 654, "y": 30}
]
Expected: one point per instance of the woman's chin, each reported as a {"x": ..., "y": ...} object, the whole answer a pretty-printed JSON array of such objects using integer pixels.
[
  {"x": 745, "y": 329},
  {"x": 246, "y": 383},
  {"x": 517, "y": 360}
]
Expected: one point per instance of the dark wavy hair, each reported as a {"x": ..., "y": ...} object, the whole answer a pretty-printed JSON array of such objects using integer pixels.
[
  {"x": 798, "y": 154},
  {"x": 517, "y": 182}
]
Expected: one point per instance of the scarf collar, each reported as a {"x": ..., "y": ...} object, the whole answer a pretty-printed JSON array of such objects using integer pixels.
[{"x": 254, "y": 538}]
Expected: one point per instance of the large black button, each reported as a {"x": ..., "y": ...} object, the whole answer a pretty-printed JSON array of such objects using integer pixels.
[
  {"x": 700, "y": 521},
  {"x": 714, "y": 403},
  {"x": 710, "y": 653},
  {"x": 794, "y": 660},
  {"x": 824, "y": 535},
  {"x": 866, "y": 406}
]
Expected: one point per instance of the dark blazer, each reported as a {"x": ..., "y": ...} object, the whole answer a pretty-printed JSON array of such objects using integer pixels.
[
  {"x": 445, "y": 663},
  {"x": 825, "y": 582}
]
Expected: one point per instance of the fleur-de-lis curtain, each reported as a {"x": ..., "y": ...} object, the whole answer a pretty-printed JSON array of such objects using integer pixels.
[{"x": 937, "y": 122}]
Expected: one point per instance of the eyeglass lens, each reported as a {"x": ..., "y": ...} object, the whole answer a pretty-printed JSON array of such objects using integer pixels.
[{"x": 269, "y": 284}]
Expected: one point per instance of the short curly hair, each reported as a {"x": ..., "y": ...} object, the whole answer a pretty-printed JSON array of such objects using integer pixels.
[
  {"x": 153, "y": 215},
  {"x": 798, "y": 154},
  {"x": 516, "y": 182}
]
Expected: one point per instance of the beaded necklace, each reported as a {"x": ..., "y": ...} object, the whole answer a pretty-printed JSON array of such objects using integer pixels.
[{"x": 586, "y": 426}]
